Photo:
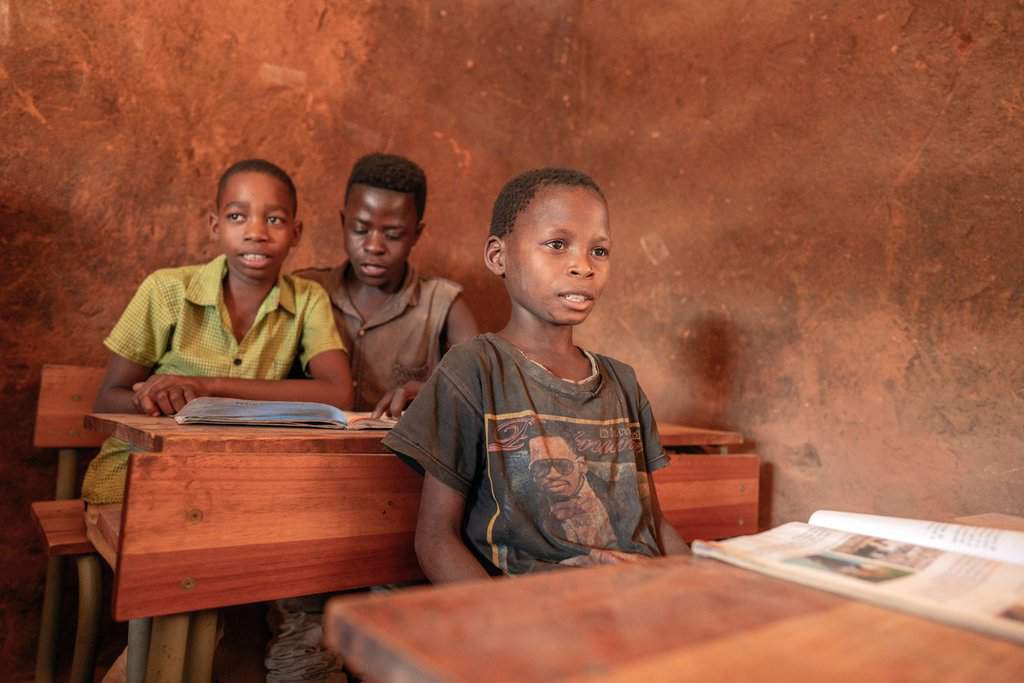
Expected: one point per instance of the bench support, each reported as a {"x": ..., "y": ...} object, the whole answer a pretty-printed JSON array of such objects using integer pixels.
[
  {"x": 49, "y": 627},
  {"x": 46, "y": 650},
  {"x": 90, "y": 590}
]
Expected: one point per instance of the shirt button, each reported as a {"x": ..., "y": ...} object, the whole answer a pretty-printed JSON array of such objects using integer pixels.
[
  {"x": 238, "y": 361},
  {"x": 361, "y": 333}
]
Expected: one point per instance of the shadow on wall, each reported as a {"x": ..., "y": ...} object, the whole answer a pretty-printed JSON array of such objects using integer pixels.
[{"x": 709, "y": 362}]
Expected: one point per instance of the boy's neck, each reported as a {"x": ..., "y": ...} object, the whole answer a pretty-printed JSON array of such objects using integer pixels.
[
  {"x": 551, "y": 346},
  {"x": 369, "y": 299},
  {"x": 243, "y": 298}
]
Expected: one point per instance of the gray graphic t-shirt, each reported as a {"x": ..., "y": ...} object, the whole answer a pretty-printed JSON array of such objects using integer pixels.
[{"x": 550, "y": 469}]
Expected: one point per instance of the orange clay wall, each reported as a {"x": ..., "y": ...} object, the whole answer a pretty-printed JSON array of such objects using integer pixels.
[{"x": 816, "y": 206}]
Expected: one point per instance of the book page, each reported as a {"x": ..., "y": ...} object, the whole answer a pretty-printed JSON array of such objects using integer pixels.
[
  {"x": 233, "y": 411},
  {"x": 364, "y": 421},
  {"x": 995, "y": 544},
  {"x": 969, "y": 591}
]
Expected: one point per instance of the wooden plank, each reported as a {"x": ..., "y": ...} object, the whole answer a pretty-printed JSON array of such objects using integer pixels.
[
  {"x": 235, "y": 528},
  {"x": 672, "y": 619},
  {"x": 710, "y": 496},
  {"x": 66, "y": 395},
  {"x": 165, "y": 435},
  {"x": 674, "y": 436},
  {"x": 62, "y": 526},
  {"x": 170, "y": 582}
]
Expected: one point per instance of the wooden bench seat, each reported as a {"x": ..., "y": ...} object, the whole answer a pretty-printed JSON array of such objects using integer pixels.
[{"x": 61, "y": 525}]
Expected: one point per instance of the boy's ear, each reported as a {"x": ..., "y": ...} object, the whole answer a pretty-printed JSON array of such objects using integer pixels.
[
  {"x": 341, "y": 215},
  {"x": 494, "y": 255},
  {"x": 420, "y": 227},
  {"x": 296, "y": 231},
  {"x": 214, "y": 223}
]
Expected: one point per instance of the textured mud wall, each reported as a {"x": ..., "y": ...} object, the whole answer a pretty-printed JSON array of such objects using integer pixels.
[
  {"x": 117, "y": 119},
  {"x": 817, "y": 206},
  {"x": 818, "y": 212}
]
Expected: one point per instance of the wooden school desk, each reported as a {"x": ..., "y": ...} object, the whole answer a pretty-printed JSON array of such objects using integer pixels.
[
  {"x": 217, "y": 516},
  {"x": 665, "y": 620}
]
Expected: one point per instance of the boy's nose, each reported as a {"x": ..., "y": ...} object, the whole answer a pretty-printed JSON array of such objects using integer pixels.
[
  {"x": 584, "y": 270},
  {"x": 255, "y": 230},
  {"x": 374, "y": 243}
]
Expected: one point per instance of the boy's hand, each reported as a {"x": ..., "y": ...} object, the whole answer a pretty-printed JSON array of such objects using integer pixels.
[
  {"x": 167, "y": 394},
  {"x": 599, "y": 556},
  {"x": 395, "y": 401}
]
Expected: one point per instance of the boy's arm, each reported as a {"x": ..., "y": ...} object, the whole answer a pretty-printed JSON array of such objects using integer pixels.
[
  {"x": 331, "y": 382},
  {"x": 116, "y": 395},
  {"x": 460, "y": 326},
  {"x": 442, "y": 555},
  {"x": 671, "y": 542}
]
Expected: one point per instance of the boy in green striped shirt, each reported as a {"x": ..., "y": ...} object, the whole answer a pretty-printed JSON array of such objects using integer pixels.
[{"x": 232, "y": 327}]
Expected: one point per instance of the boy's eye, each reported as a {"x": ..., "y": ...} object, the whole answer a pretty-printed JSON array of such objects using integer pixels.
[
  {"x": 393, "y": 236},
  {"x": 558, "y": 245},
  {"x": 235, "y": 216},
  {"x": 601, "y": 252},
  {"x": 275, "y": 220}
]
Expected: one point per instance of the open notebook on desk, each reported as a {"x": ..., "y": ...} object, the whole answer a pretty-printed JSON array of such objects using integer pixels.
[{"x": 238, "y": 412}]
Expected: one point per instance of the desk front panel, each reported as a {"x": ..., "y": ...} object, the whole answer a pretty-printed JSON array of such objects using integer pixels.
[{"x": 210, "y": 530}]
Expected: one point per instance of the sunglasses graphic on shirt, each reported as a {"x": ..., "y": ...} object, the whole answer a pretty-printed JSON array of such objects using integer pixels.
[{"x": 540, "y": 468}]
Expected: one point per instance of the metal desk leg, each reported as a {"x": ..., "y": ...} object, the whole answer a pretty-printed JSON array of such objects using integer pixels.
[
  {"x": 90, "y": 590},
  {"x": 167, "y": 644},
  {"x": 138, "y": 648},
  {"x": 202, "y": 643}
]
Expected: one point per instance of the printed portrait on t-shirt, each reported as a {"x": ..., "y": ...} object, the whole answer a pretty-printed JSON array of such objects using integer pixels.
[{"x": 565, "y": 487}]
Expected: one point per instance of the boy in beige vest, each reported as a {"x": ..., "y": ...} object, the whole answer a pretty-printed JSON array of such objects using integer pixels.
[{"x": 396, "y": 323}]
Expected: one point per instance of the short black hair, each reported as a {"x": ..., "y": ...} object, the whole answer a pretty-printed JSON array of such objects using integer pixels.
[
  {"x": 258, "y": 166},
  {"x": 520, "y": 191},
  {"x": 391, "y": 172}
]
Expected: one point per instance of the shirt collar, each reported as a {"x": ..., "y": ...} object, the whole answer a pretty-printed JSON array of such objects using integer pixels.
[{"x": 204, "y": 289}]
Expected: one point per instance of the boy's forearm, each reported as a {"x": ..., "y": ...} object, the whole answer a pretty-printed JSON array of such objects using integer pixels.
[
  {"x": 316, "y": 390},
  {"x": 115, "y": 400},
  {"x": 447, "y": 560}
]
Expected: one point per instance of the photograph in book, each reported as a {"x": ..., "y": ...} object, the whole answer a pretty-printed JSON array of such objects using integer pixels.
[
  {"x": 887, "y": 561},
  {"x": 857, "y": 568}
]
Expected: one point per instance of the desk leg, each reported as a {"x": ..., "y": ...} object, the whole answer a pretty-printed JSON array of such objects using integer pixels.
[
  {"x": 89, "y": 595},
  {"x": 138, "y": 648},
  {"x": 202, "y": 643},
  {"x": 167, "y": 645}
]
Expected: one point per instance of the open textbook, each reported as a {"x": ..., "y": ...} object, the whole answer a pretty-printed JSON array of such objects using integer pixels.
[
  {"x": 963, "y": 575},
  {"x": 232, "y": 411}
]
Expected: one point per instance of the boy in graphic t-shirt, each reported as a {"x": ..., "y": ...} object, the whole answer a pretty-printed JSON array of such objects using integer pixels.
[{"x": 540, "y": 454}]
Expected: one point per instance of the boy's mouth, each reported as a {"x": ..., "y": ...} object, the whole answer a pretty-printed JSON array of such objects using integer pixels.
[
  {"x": 372, "y": 269},
  {"x": 256, "y": 260},
  {"x": 577, "y": 297}
]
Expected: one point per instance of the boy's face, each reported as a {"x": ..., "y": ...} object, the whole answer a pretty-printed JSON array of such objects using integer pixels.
[
  {"x": 556, "y": 259},
  {"x": 381, "y": 228},
  {"x": 255, "y": 225}
]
